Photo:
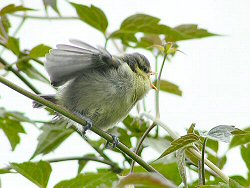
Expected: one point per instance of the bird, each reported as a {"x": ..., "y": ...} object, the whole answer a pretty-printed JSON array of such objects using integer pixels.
[{"x": 95, "y": 85}]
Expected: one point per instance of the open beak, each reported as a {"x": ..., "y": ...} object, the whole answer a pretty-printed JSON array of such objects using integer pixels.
[{"x": 153, "y": 87}]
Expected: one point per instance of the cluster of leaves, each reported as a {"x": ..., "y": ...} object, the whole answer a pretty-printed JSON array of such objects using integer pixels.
[{"x": 136, "y": 31}]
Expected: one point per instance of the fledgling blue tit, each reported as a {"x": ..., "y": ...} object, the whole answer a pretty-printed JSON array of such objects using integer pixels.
[{"x": 96, "y": 85}]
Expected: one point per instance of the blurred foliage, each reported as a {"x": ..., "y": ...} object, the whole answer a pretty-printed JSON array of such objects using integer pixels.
[{"x": 136, "y": 31}]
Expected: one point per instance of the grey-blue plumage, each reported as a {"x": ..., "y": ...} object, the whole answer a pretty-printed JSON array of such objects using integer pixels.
[{"x": 95, "y": 84}]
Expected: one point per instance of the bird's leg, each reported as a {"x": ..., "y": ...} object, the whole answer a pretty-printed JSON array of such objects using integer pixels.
[
  {"x": 88, "y": 120},
  {"x": 114, "y": 143}
]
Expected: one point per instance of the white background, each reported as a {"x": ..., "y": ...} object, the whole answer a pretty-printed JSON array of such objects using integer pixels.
[{"x": 214, "y": 73}]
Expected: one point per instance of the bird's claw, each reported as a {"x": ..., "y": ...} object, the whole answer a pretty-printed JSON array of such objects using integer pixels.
[
  {"x": 88, "y": 126},
  {"x": 114, "y": 144}
]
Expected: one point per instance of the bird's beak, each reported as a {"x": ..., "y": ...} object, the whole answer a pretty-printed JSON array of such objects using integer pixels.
[{"x": 153, "y": 87}]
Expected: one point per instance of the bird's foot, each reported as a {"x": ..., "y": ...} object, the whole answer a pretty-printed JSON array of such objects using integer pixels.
[
  {"x": 114, "y": 144},
  {"x": 86, "y": 127}
]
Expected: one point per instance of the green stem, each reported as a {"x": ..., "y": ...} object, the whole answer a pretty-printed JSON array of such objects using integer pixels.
[
  {"x": 140, "y": 144},
  {"x": 78, "y": 120},
  {"x": 85, "y": 158},
  {"x": 21, "y": 77},
  {"x": 175, "y": 136},
  {"x": 203, "y": 162},
  {"x": 46, "y": 18}
]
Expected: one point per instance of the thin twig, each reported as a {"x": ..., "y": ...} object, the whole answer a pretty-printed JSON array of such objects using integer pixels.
[
  {"x": 47, "y": 18},
  {"x": 21, "y": 77},
  {"x": 203, "y": 162},
  {"x": 140, "y": 144}
]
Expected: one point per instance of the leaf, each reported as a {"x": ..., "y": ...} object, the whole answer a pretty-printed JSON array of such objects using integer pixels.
[
  {"x": 51, "y": 138},
  {"x": 158, "y": 144},
  {"x": 52, "y": 4},
  {"x": 234, "y": 184},
  {"x": 191, "y": 128},
  {"x": 38, "y": 173},
  {"x": 39, "y": 51},
  {"x": 135, "y": 125},
  {"x": 143, "y": 179},
  {"x": 9, "y": 9},
  {"x": 82, "y": 163},
  {"x": 13, "y": 45},
  {"x": 27, "y": 68},
  {"x": 218, "y": 161},
  {"x": 212, "y": 144},
  {"x": 221, "y": 133},
  {"x": 163, "y": 169},
  {"x": 169, "y": 87},
  {"x": 192, "y": 31},
  {"x": 12, "y": 128},
  {"x": 6, "y": 25},
  {"x": 93, "y": 16},
  {"x": 180, "y": 156},
  {"x": 241, "y": 180},
  {"x": 149, "y": 25},
  {"x": 240, "y": 139},
  {"x": 179, "y": 143},
  {"x": 245, "y": 153},
  {"x": 89, "y": 180}
]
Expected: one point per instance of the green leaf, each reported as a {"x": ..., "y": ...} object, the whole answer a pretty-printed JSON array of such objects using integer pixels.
[
  {"x": 240, "y": 139},
  {"x": 245, "y": 153},
  {"x": 149, "y": 41},
  {"x": 9, "y": 9},
  {"x": 212, "y": 144},
  {"x": 6, "y": 25},
  {"x": 93, "y": 16},
  {"x": 39, "y": 51},
  {"x": 180, "y": 156},
  {"x": 218, "y": 161},
  {"x": 13, "y": 45},
  {"x": 169, "y": 87},
  {"x": 234, "y": 184},
  {"x": 149, "y": 25},
  {"x": 135, "y": 125},
  {"x": 52, "y": 4},
  {"x": 221, "y": 133},
  {"x": 179, "y": 143},
  {"x": 241, "y": 180},
  {"x": 82, "y": 163},
  {"x": 193, "y": 32},
  {"x": 191, "y": 128},
  {"x": 89, "y": 180},
  {"x": 27, "y": 68},
  {"x": 51, "y": 138},
  {"x": 11, "y": 128},
  {"x": 38, "y": 173},
  {"x": 163, "y": 169},
  {"x": 143, "y": 179}
]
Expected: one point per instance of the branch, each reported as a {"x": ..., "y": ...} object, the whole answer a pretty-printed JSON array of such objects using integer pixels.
[
  {"x": 80, "y": 121},
  {"x": 21, "y": 77},
  {"x": 46, "y": 18},
  {"x": 85, "y": 158},
  {"x": 175, "y": 136},
  {"x": 140, "y": 144}
]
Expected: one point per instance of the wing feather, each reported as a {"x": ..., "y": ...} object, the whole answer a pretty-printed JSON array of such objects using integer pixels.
[{"x": 67, "y": 61}]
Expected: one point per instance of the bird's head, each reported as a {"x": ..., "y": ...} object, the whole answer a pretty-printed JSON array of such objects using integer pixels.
[{"x": 140, "y": 65}]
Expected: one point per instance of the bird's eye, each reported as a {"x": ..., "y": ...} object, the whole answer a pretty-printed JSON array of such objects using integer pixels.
[{"x": 145, "y": 69}]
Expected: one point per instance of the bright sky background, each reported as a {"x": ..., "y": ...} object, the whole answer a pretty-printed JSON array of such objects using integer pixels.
[{"x": 214, "y": 74}]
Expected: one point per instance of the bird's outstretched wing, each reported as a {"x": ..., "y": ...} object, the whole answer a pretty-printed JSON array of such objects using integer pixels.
[{"x": 66, "y": 61}]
